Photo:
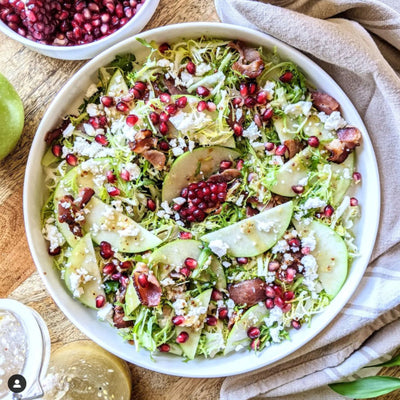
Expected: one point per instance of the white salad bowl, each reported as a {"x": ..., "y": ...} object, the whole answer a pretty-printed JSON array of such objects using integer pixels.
[
  {"x": 106, "y": 336},
  {"x": 90, "y": 50}
]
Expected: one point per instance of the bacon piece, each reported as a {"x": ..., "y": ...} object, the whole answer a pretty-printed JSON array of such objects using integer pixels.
[
  {"x": 84, "y": 196},
  {"x": 143, "y": 134},
  {"x": 348, "y": 138},
  {"x": 250, "y": 62},
  {"x": 156, "y": 158},
  {"x": 294, "y": 146},
  {"x": 226, "y": 176},
  {"x": 248, "y": 292},
  {"x": 66, "y": 209},
  {"x": 150, "y": 295},
  {"x": 141, "y": 146},
  {"x": 324, "y": 102}
]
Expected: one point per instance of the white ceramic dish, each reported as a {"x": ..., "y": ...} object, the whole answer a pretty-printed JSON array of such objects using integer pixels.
[
  {"x": 90, "y": 50},
  {"x": 105, "y": 335}
]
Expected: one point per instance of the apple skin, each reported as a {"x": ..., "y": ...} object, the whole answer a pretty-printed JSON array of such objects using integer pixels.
[{"x": 11, "y": 117}]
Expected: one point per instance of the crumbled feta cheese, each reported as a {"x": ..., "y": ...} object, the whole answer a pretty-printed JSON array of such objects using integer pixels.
[
  {"x": 179, "y": 306},
  {"x": 68, "y": 131},
  {"x": 300, "y": 108},
  {"x": 186, "y": 79},
  {"x": 133, "y": 169},
  {"x": 202, "y": 68},
  {"x": 53, "y": 235},
  {"x": 167, "y": 282},
  {"x": 334, "y": 121},
  {"x": 105, "y": 313},
  {"x": 218, "y": 247},
  {"x": 281, "y": 247},
  {"x": 93, "y": 110},
  {"x": 226, "y": 264},
  {"x": 264, "y": 226},
  {"x": 251, "y": 132},
  {"x": 310, "y": 273},
  {"x": 269, "y": 88},
  {"x": 89, "y": 129},
  {"x": 179, "y": 200},
  {"x": 177, "y": 151},
  {"x": 190, "y": 122},
  {"x": 93, "y": 150},
  {"x": 191, "y": 145},
  {"x": 313, "y": 202},
  {"x": 78, "y": 278},
  {"x": 275, "y": 315},
  {"x": 309, "y": 241},
  {"x": 166, "y": 207},
  {"x": 239, "y": 114}
]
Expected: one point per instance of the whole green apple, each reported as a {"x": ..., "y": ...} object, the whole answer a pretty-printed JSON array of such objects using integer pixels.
[{"x": 11, "y": 117}]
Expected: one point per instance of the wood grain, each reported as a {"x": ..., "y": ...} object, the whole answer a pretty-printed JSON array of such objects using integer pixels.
[{"x": 37, "y": 79}]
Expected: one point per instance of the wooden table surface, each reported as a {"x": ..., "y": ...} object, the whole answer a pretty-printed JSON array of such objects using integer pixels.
[{"x": 37, "y": 79}]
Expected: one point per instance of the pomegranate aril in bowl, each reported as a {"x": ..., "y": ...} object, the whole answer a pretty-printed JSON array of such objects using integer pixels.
[{"x": 73, "y": 30}]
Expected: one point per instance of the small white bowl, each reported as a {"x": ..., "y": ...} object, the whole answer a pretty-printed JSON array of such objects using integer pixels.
[
  {"x": 90, "y": 50},
  {"x": 106, "y": 336}
]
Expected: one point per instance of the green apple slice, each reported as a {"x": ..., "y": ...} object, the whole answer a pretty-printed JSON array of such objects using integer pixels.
[
  {"x": 190, "y": 346},
  {"x": 123, "y": 233},
  {"x": 254, "y": 235},
  {"x": 291, "y": 173},
  {"x": 117, "y": 86},
  {"x": 82, "y": 275},
  {"x": 254, "y": 316},
  {"x": 315, "y": 127},
  {"x": 194, "y": 166},
  {"x": 330, "y": 254},
  {"x": 131, "y": 298},
  {"x": 341, "y": 178}
]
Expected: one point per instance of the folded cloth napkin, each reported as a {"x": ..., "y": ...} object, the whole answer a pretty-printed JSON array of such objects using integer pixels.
[{"x": 358, "y": 43}]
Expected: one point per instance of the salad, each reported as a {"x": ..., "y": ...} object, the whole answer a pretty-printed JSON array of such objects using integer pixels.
[{"x": 199, "y": 198}]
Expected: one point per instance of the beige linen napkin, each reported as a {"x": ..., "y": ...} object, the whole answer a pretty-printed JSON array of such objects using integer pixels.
[{"x": 358, "y": 44}]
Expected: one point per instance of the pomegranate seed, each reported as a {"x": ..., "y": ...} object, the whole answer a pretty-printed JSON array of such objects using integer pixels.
[
  {"x": 57, "y": 150},
  {"x": 239, "y": 164},
  {"x": 71, "y": 159},
  {"x": 151, "y": 205},
  {"x": 270, "y": 292},
  {"x": 289, "y": 295},
  {"x": 269, "y": 146},
  {"x": 54, "y": 252},
  {"x": 201, "y": 106},
  {"x": 191, "y": 67},
  {"x": 261, "y": 98},
  {"x": 353, "y": 202},
  {"x": 182, "y": 337},
  {"x": 211, "y": 106},
  {"x": 116, "y": 276},
  {"x": 286, "y": 77},
  {"x": 181, "y": 102},
  {"x": 191, "y": 263},
  {"x": 185, "y": 235},
  {"x": 237, "y": 102},
  {"x": 255, "y": 344},
  {"x": 252, "y": 88},
  {"x": 141, "y": 86},
  {"x": 298, "y": 189},
  {"x": 171, "y": 109},
  {"x": 225, "y": 164},
  {"x": 165, "y": 97},
  {"x": 296, "y": 324},
  {"x": 286, "y": 307},
  {"x": 143, "y": 281},
  {"x": 257, "y": 120},
  {"x": 163, "y": 128},
  {"x": 124, "y": 280},
  {"x": 100, "y": 301},
  {"x": 328, "y": 211},
  {"x": 290, "y": 274},
  {"x": 250, "y": 102},
  {"x": 154, "y": 118},
  {"x": 109, "y": 268},
  {"x": 164, "y": 146},
  {"x": 269, "y": 303},
  {"x": 242, "y": 260},
  {"x": 281, "y": 150},
  {"x": 202, "y": 91},
  {"x": 113, "y": 191},
  {"x": 237, "y": 129},
  {"x": 216, "y": 295},
  {"x": 222, "y": 313},
  {"x": 211, "y": 320},
  {"x": 313, "y": 141},
  {"x": 122, "y": 107},
  {"x": 268, "y": 114},
  {"x": 107, "y": 101},
  {"x": 278, "y": 301},
  {"x": 164, "y": 47},
  {"x": 185, "y": 272},
  {"x": 273, "y": 266},
  {"x": 164, "y": 348},
  {"x": 253, "y": 332},
  {"x": 101, "y": 139},
  {"x": 176, "y": 207},
  {"x": 111, "y": 178},
  {"x": 125, "y": 175},
  {"x": 294, "y": 242},
  {"x": 106, "y": 250},
  {"x": 131, "y": 120},
  {"x": 178, "y": 319},
  {"x": 164, "y": 117},
  {"x": 137, "y": 94},
  {"x": 305, "y": 250},
  {"x": 244, "y": 90},
  {"x": 356, "y": 177}
]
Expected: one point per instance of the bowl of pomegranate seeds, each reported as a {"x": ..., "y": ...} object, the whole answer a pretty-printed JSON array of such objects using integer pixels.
[
  {"x": 200, "y": 190},
  {"x": 73, "y": 29}
]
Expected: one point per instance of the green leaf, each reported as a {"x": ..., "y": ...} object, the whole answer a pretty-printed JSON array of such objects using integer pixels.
[
  {"x": 367, "y": 388},
  {"x": 391, "y": 363},
  {"x": 123, "y": 61}
]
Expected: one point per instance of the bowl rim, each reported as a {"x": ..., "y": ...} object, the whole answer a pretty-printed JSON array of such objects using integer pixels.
[
  {"x": 88, "y": 46},
  {"x": 338, "y": 302}
]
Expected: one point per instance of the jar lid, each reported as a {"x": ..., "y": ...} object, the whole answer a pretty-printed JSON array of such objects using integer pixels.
[{"x": 37, "y": 349}]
